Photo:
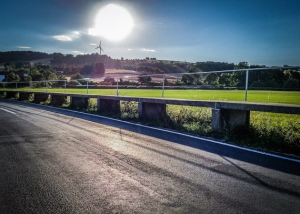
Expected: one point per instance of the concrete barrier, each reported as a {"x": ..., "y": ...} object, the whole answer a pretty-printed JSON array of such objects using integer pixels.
[
  {"x": 79, "y": 102},
  {"x": 108, "y": 105},
  {"x": 152, "y": 111},
  {"x": 229, "y": 119},
  {"x": 58, "y": 100},
  {"x": 12, "y": 94},
  {"x": 40, "y": 97},
  {"x": 24, "y": 96}
]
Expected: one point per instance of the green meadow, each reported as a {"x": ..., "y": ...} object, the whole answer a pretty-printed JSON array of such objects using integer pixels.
[{"x": 287, "y": 97}]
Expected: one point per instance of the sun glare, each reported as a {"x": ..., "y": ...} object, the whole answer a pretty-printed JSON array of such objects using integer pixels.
[{"x": 112, "y": 22}]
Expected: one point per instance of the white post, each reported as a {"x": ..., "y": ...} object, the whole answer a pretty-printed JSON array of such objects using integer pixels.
[
  {"x": 163, "y": 87},
  {"x": 246, "y": 86},
  {"x": 117, "y": 87},
  {"x": 87, "y": 86}
]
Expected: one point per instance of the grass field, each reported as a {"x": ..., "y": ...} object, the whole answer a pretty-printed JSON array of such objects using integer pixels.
[{"x": 288, "y": 97}]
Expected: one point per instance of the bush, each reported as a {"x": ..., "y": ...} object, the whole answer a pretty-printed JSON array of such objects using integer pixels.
[
  {"x": 74, "y": 83},
  {"x": 257, "y": 84},
  {"x": 292, "y": 83}
]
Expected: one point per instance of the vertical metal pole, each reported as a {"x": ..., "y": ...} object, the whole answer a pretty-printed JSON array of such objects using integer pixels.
[
  {"x": 87, "y": 86},
  {"x": 246, "y": 86},
  {"x": 117, "y": 87},
  {"x": 65, "y": 86},
  {"x": 163, "y": 87}
]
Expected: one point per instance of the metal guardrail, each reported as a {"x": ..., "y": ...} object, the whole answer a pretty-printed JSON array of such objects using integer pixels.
[{"x": 234, "y": 105}]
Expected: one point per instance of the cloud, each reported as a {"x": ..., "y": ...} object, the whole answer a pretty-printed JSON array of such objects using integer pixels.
[
  {"x": 93, "y": 44},
  {"x": 77, "y": 52},
  {"x": 24, "y": 47},
  {"x": 148, "y": 50},
  {"x": 62, "y": 38}
]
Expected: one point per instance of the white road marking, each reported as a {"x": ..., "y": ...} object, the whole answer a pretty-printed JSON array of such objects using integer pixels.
[{"x": 8, "y": 111}]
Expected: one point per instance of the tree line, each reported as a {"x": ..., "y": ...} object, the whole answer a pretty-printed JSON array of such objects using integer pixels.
[{"x": 272, "y": 78}]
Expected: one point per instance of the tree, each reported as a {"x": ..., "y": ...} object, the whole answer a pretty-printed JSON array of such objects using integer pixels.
[
  {"x": 227, "y": 79},
  {"x": 292, "y": 83},
  {"x": 76, "y": 76},
  {"x": 194, "y": 78},
  {"x": 211, "y": 78},
  {"x": 9, "y": 66},
  {"x": 87, "y": 69},
  {"x": 117, "y": 64},
  {"x": 291, "y": 74},
  {"x": 187, "y": 79},
  {"x": 12, "y": 77},
  {"x": 28, "y": 79},
  {"x": 99, "y": 69},
  {"x": 144, "y": 79}
]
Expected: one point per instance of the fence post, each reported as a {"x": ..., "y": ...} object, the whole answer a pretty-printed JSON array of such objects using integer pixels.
[
  {"x": 65, "y": 86},
  {"x": 246, "y": 86},
  {"x": 46, "y": 85},
  {"x": 87, "y": 86},
  {"x": 117, "y": 87},
  {"x": 163, "y": 87}
]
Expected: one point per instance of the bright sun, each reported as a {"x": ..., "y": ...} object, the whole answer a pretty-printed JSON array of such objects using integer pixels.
[{"x": 112, "y": 22}]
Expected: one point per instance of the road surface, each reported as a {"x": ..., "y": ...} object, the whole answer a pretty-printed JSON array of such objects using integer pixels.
[{"x": 55, "y": 161}]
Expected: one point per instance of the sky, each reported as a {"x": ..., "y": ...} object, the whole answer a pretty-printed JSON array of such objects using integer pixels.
[{"x": 261, "y": 32}]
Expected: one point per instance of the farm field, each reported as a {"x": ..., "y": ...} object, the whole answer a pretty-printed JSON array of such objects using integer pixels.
[{"x": 286, "y": 97}]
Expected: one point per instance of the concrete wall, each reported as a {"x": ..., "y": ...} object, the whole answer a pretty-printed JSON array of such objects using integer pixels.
[
  {"x": 107, "y": 105},
  {"x": 24, "y": 96},
  {"x": 58, "y": 100},
  {"x": 152, "y": 111},
  {"x": 11, "y": 94},
  {"x": 38, "y": 98},
  {"x": 229, "y": 119},
  {"x": 79, "y": 102}
]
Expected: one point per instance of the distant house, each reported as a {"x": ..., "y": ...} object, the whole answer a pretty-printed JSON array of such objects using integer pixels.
[{"x": 58, "y": 72}]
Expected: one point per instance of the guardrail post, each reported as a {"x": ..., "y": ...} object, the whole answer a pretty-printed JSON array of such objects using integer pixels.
[
  {"x": 163, "y": 87},
  {"x": 117, "y": 87},
  {"x": 87, "y": 86},
  {"x": 246, "y": 86}
]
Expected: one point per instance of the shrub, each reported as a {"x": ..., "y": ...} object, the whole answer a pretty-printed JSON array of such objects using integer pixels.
[{"x": 292, "y": 83}]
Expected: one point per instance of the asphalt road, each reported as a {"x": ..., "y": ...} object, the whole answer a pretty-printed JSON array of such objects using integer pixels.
[{"x": 54, "y": 161}]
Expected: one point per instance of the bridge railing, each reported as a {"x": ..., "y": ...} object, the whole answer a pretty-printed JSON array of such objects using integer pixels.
[{"x": 225, "y": 114}]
